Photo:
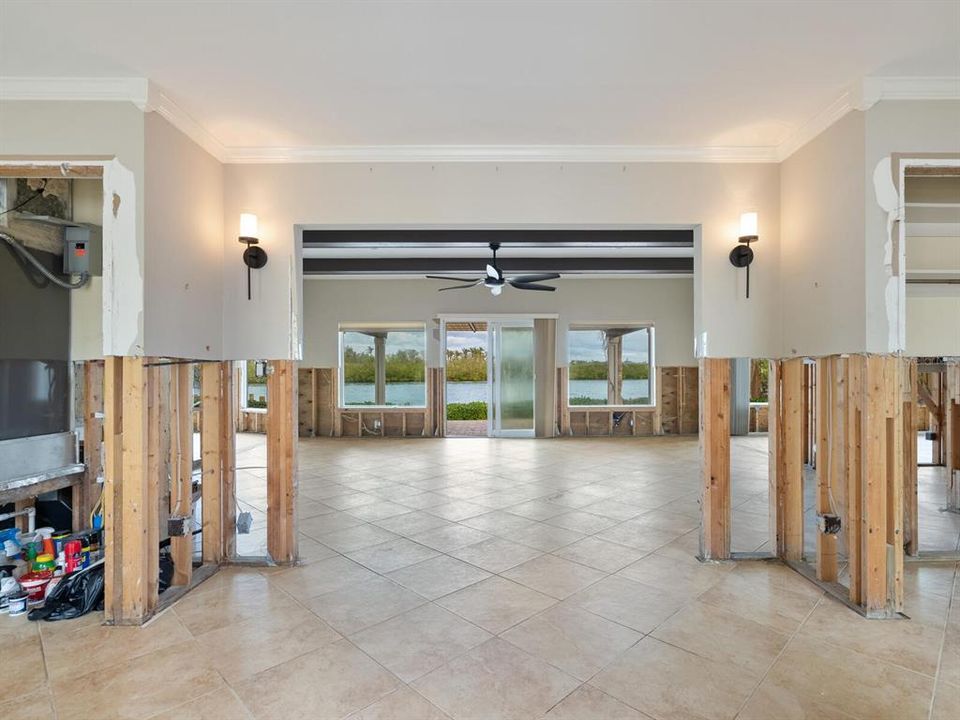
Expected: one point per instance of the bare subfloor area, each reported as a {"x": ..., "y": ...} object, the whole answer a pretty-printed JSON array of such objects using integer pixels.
[{"x": 482, "y": 579}]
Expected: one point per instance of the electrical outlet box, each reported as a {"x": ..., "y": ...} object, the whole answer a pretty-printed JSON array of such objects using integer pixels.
[
  {"x": 829, "y": 524},
  {"x": 178, "y": 526},
  {"x": 376, "y": 424},
  {"x": 930, "y": 435}
]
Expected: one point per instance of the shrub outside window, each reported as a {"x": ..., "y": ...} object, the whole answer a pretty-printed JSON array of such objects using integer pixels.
[{"x": 610, "y": 365}]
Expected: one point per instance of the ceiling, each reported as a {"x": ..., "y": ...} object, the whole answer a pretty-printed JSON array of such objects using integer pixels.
[{"x": 268, "y": 78}]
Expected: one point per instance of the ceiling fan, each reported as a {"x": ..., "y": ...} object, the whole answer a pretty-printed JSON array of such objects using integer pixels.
[{"x": 495, "y": 280}]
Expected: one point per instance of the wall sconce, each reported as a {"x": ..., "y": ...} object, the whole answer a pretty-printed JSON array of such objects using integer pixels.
[
  {"x": 254, "y": 256},
  {"x": 742, "y": 255}
]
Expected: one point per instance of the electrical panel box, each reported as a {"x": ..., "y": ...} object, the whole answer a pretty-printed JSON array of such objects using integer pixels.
[{"x": 77, "y": 249}]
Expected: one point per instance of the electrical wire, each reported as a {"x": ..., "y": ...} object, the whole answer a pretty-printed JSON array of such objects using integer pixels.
[
  {"x": 28, "y": 256},
  {"x": 36, "y": 194}
]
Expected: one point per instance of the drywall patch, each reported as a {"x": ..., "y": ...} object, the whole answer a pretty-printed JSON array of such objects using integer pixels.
[
  {"x": 888, "y": 198},
  {"x": 122, "y": 266}
]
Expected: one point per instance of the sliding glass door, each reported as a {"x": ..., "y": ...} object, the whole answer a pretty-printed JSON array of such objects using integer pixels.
[
  {"x": 489, "y": 377},
  {"x": 513, "y": 376}
]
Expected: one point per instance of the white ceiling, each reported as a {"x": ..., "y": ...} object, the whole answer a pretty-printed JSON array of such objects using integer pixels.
[{"x": 688, "y": 74}]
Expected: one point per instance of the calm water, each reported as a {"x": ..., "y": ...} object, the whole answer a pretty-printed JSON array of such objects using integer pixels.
[{"x": 464, "y": 392}]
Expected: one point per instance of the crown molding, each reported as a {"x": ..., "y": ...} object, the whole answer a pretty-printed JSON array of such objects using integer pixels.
[
  {"x": 862, "y": 96},
  {"x": 149, "y": 98},
  {"x": 158, "y": 102},
  {"x": 499, "y": 154}
]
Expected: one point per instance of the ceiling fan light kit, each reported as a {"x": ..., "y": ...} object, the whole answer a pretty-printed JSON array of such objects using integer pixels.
[{"x": 496, "y": 281}]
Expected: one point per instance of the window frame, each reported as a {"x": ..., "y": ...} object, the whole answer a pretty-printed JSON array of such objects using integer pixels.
[
  {"x": 244, "y": 395},
  {"x": 652, "y": 374},
  {"x": 389, "y": 327}
]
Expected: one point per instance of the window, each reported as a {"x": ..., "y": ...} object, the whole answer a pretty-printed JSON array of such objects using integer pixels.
[
  {"x": 610, "y": 365},
  {"x": 254, "y": 389},
  {"x": 383, "y": 366}
]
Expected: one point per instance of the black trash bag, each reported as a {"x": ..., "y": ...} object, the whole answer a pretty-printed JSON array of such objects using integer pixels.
[{"x": 76, "y": 594}]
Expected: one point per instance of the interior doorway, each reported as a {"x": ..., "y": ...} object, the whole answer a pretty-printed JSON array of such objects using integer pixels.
[{"x": 490, "y": 376}]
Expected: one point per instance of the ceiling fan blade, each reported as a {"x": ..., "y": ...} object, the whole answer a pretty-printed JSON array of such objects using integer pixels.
[
  {"x": 530, "y": 286},
  {"x": 454, "y": 279},
  {"x": 460, "y": 287},
  {"x": 494, "y": 272},
  {"x": 535, "y": 278}
]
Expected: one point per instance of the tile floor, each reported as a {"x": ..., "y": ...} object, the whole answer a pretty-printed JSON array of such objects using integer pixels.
[{"x": 483, "y": 579}]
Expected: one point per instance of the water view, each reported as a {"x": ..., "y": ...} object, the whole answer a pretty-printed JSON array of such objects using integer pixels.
[{"x": 413, "y": 393}]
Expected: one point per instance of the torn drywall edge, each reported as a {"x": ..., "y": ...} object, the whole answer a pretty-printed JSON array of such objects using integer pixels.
[
  {"x": 122, "y": 267},
  {"x": 888, "y": 198}
]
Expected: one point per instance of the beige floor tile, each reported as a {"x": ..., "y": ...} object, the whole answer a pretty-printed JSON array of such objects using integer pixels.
[
  {"x": 498, "y": 522},
  {"x": 331, "y": 682},
  {"x": 907, "y": 643},
  {"x": 582, "y": 522},
  {"x": 356, "y": 538},
  {"x": 26, "y": 650},
  {"x": 538, "y": 509},
  {"x": 457, "y": 510},
  {"x": 392, "y": 555},
  {"x": 614, "y": 509},
  {"x": 378, "y": 511},
  {"x": 495, "y": 681},
  {"x": 683, "y": 576},
  {"x": 554, "y": 576},
  {"x": 402, "y": 704},
  {"x": 769, "y": 603},
  {"x": 450, "y": 537},
  {"x": 222, "y": 704},
  {"x": 496, "y": 604},
  {"x": 950, "y": 658},
  {"x": 600, "y": 554},
  {"x": 588, "y": 703},
  {"x": 411, "y": 523},
  {"x": 230, "y": 597},
  {"x": 38, "y": 705},
  {"x": 133, "y": 689},
  {"x": 629, "y": 603},
  {"x": 320, "y": 577},
  {"x": 311, "y": 550},
  {"x": 246, "y": 648},
  {"x": 811, "y": 675},
  {"x": 637, "y": 535},
  {"x": 350, "y": 500},
  {"x": 66, "y": 652},
  {"x": 438, "y": 576},
  {"x": 418, "y": 641},
  {"x": 723, "y": 636},
  {"x": 671, "y": 684},
  {"x": 572, "y": 639},
  {"x": 320, "y": 525},
  {"x": 496, "y": 554},
  {"x": 544, "y": 537},
  {"x": 357, "y": 607},
  {"x": 946, "y": 702}
]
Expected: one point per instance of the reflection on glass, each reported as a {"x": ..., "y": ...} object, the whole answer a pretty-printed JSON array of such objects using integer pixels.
[{"x": 516, "y": 378}]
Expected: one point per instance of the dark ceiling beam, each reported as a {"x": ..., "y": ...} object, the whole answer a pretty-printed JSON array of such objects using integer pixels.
[
  {"x": 435, "y": 266},
  {"x": 438, "y": 238}
]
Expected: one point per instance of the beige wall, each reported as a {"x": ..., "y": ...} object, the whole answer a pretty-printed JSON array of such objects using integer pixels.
[
  {"x": 822, "y": 259},
  {"x": 710, "y": 196},
  {"x": 933, "y": 321},
  {"x": 666, "y": 303},
  {"x": 184, "y": 258}
]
